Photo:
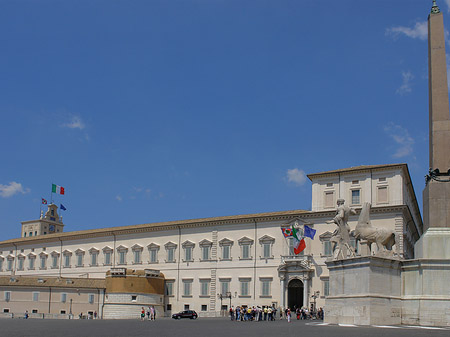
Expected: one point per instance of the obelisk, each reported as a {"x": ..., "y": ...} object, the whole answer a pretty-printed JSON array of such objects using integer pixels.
[{"x": 435, "y": 243}]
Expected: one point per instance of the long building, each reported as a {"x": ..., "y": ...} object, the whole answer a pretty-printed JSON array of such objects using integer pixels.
[{"x": 208, "y": 264}]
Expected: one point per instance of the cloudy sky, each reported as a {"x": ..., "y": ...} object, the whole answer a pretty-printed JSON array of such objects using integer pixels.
[{"x": 149, "y": 111}]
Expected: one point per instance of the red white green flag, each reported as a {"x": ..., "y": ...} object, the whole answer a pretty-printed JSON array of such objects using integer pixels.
[
  {"x": 299, "y": 242},
  {"x": 57, "y": 189}
]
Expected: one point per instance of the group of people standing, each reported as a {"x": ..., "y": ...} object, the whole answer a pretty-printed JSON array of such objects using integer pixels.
[
  {"x": 150, "y": 312},
  {"x": 269, "y": 313},
  {"x": 255, "y": 313}
]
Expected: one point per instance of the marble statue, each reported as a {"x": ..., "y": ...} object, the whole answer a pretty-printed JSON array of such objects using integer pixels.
[
  {"x": 385, "y": 239},
  {"x": 341, "y": 236}
]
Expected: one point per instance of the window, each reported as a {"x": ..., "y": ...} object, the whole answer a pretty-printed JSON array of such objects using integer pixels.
[
  {"x": 5, "y": 310},
  {"x": 226, "y": 253},
  {"x": 133, "y": 298},
  {"x": 245, "y": 252},
  {"x": 329, "y": 199},
  {"x": 7, "y": 296},
  {"x": 204, "y": 287},
  {"x": 63, "y": 298},
  {"x": 43, "y": 262},
  {"x": 122, "y": 251},
  {"x": 94, "y": 256},
  {"x": 137, "y": 254},
  {"x": 187, "y": 287},
  {"x": 153, "y": 256},
  {"x": 122, "y": 257},
  {"x": 244, "y": 286},
  {"x": 327, "y": 248},
  {"x": 54, "y": 261},
  {"x": 226, "y": 245},
  {"x": 31, "y": 259},
  {"x": 153, "y": 251},
  {"x": 266, "y": 287},
  {"x": 205, "y": 246},
  {"x": 67, "y": 260},
  {"x": 206, "y": 253},
  {"x": 204, "y": 307},
  {"x": 326, "y": 287},
  {"x": 107, "y": 254},
  {"x": 137, "y": 257},
  {"x": 225, "y": 286},
  {"x": 169, "y": 307},
  {"x": 21, "y": 261},
  {"x": 91, "y": 298},
  {"x": 266, "y": 243},
  {"x": 62, "y": 312},
  {"x": 356, "y": 197},
  {"x": 80, "y": 258},
  {"x": 382, "y": 194},
  {"x": 186, "y": 307},
  {"x": 35, "y": 296},
  {"x": 169, "y": 288},
  {"x": 188, "y": 247},
  {"x": 9, "y": 265},
  {"x": 171, "y": 255},
  {"x": 170, "y": 249}
]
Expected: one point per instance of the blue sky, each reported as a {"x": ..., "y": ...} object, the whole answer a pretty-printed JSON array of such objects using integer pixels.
[{"x": 150, "y": 111}]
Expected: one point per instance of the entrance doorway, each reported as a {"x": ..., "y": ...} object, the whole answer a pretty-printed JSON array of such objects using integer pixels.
[{"x": 295, "y": 294}]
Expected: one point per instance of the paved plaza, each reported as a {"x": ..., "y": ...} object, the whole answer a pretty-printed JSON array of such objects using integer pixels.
[{"x": 201, "y": 327}]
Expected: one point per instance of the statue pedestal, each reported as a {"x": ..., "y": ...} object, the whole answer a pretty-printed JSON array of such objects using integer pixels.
[{"x": 364, "y": 291}]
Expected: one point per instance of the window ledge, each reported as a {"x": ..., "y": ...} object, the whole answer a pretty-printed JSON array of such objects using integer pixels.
[
  {"x": 204, "y": 296},
  {"x": 137, "y": 262},
  {"x": 265, "y": 296},
  {"x": 187, "y": 296},
  {"x": 229, "y": 259},
  {"x": 174, "y": 261},
  {"x": 245, "y": 259},
  {"x": 188, "y": 260},
  {"x": 155, "y": 262},
  {"x": 244, "y": 296}
]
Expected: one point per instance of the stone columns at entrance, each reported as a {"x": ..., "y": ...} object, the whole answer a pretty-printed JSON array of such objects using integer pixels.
[
  {"x": 305, "y": 293},
  {"x": 283, "y": 292}
]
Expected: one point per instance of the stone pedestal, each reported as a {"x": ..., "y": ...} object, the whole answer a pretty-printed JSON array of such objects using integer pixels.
[
  {"x": 426, "y": 294},
  {"x": 364, "y": 291}
]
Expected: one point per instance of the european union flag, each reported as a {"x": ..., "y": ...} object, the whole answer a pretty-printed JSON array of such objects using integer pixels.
[
  {"x": 62, "y": 207},
  {"x": 309, "y": 232}
]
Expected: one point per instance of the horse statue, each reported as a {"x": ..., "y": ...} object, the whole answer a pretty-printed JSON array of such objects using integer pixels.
[{"x": 385, "y": 239}]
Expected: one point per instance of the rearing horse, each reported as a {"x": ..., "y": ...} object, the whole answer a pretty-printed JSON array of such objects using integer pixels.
[{"x": 384, "y": 238}]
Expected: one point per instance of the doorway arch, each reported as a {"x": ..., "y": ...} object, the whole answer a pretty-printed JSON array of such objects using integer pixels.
[{"x": 295, "y": 294}]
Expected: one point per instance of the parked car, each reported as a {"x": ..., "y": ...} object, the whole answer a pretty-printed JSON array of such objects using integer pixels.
[{"x": 185, "y": 314}]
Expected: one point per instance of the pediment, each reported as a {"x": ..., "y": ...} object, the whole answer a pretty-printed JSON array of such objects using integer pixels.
[
  {"x": 205, "y": 243},
  {"x": 188, "y": 243},
  {"x": 153, "y": 246},
  {"x": 226, "y": 242},
  {"x": 266, "y": 239},
  {"x": 170, "y": 244},
  {"x": 245, "y": 241}
]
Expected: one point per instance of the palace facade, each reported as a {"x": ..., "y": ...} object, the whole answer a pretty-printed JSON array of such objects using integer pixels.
[{"x": 207, "y": 264}]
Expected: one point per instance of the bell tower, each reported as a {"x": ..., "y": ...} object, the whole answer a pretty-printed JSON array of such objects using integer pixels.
[{"x": 49, "y": 223}]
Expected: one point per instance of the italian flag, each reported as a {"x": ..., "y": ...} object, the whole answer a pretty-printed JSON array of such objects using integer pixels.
[
  {"x": 299, "y": 242},
  {"x": 57, "y": 189}
]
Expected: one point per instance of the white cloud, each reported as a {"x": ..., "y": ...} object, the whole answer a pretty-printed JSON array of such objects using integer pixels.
[
  {"x": 406, "y": 84},
  {"x": 420, "y": 31},
  {"x": 7, "y": 191},
  {"x": 118, "y": 198},
  {"x": 402, "y": 139},
  {"x": 74, "y": 123},
  {"x": 296, "y": 176}
]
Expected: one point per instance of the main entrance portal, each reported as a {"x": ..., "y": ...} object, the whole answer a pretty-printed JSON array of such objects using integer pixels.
[{"x": 295, "y": 294}]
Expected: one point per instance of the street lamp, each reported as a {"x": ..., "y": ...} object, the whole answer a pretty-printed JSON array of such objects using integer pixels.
[{"x": 70, "y": 311}]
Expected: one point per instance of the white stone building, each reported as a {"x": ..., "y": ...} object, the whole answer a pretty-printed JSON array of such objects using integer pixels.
[{"x": 212, "y": 263}]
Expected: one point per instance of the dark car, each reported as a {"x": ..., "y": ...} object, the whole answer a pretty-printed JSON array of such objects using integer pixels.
[{"x": 185, "y": 314}]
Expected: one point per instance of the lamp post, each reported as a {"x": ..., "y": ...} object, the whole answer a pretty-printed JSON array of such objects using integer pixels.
[{"x": 70, "y": 310}]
